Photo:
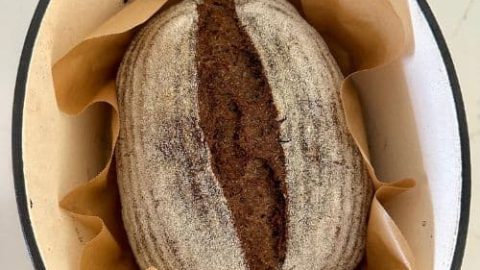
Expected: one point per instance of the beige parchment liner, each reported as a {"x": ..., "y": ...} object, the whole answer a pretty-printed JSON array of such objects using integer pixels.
[{"x": 362, "y": 35}]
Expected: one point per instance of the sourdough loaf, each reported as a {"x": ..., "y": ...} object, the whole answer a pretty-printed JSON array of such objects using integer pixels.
[{"x": 234, "y": 152}]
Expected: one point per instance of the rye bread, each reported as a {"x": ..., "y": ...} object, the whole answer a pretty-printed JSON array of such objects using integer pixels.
[{"x": 234, "y": 152}]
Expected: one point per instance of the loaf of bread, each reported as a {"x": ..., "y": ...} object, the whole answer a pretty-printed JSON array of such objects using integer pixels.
[{"x": 234, "y": 152}]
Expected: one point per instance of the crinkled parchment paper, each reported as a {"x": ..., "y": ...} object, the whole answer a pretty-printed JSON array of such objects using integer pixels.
[{"x": 362, "y": 35}]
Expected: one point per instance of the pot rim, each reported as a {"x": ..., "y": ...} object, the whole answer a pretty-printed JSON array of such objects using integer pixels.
[{"x": 17, "y": 122}]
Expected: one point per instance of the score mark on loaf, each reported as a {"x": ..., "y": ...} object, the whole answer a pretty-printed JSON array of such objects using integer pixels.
[{"x": 234, "y": 151}]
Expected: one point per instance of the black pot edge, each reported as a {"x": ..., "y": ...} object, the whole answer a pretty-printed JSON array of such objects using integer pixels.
[
  {"x": 463, "y": 132},
  {"x": 17, "y": 121}
]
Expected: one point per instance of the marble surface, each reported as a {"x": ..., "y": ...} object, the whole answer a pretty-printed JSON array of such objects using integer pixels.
[
  {"x": 15, "y": 18},
  {"x": 458, "y": 19}
]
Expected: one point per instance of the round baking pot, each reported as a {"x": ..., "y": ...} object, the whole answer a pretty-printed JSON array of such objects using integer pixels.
[{"x": 435, "y": 121}]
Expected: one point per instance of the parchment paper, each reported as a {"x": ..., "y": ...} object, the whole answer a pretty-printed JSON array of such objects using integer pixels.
[{"x": 362, "y": 35}]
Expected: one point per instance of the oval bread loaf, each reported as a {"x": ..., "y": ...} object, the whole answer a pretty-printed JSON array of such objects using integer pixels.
[{"x": 234, "y": 151}]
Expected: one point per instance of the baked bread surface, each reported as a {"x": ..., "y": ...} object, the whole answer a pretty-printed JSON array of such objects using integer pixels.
[{"x": 213, "y": 175}]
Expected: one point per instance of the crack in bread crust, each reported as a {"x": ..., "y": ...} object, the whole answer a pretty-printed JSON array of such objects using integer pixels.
[{"x": 238, "y": 118}]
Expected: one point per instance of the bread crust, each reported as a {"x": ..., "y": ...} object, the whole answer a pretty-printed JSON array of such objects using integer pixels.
[
  {"x": 329, "y": 190},
  {"x": 173, "y": 207}
]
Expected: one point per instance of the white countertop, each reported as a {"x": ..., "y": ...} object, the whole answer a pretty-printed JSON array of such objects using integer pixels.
[
  {"x": 459, "y": 21},
  {"x": 14, "y": 21}
]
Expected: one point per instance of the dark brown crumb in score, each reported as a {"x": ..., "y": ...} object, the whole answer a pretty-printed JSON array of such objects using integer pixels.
[{"x": 237, "y": 115}]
